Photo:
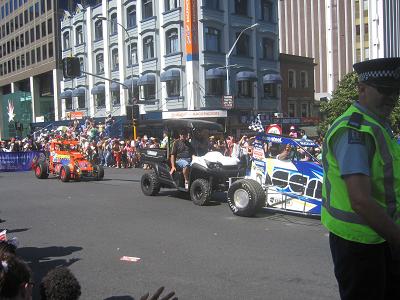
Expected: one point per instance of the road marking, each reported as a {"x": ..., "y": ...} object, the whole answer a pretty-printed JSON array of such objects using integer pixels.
[{"x": 130, "y": 258}]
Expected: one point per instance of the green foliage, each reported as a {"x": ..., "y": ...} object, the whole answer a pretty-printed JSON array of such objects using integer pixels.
[{"x": 344, "y": 95}]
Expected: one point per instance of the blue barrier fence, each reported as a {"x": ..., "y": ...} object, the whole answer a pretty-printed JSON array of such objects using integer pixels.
[{"x": 17, "y": 161}]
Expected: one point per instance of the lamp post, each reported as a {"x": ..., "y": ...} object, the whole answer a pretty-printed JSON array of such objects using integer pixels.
[
  {"x": 228, "y": 90},
  {"x": 130, "y": 47}
]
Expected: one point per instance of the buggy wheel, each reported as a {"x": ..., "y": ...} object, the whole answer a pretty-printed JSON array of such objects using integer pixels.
[
  {"x": 98, "y": 172},
  {"x": 246, "y": 197},
  {"x": 150, "y": 184},
  {"x": 200, "y": 192},
  {"x": 65, "y": 174},
  {"x": 41, "y": 171}
]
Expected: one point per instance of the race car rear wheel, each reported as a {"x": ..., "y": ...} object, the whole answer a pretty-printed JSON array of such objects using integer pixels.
[
  {"x": 41, "y": 170},
  {"x": 150, "y": 184},
  {"x": 65, "y": 174},
  {"x": 99, "y": 172},
  {"x": 246, "y": 197},
  {"x": 200, "y": 192}
]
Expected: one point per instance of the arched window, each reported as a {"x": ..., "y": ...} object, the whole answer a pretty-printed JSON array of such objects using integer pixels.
[
  {"x": 98, "y": 30},
  {"x": 114, "y": 59},
  {"x": 268, "y": 48},
  {"x": 147, "y": 11},
  {"x": 171, "y": 4},
  {"x": 292, "y": 79},
  {"x": 131, "y": 16},
  {"x": 212, "y": 39},
  {"x": 172, "y": 41},
  {"x": 113, "y": 21},
  {"x": 148, "y": 47},
  {"x": 303, "y": 79},
  {"x": 99, "y": 63},
  {"x": 243, "y": 45},
  {"x": 79, "y": 35},
  {"x": 66, "y": 40},
  {"x": 241, "y": 7},
  {"x": 81, "y": 64},
  {"x": 267, "y": 12},
  {"x": 132, "y": 54}
]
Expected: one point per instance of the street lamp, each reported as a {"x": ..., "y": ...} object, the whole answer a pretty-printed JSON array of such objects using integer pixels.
[
  {"x": 228, "y": 90},
  {"x": 130, "y": 47}
]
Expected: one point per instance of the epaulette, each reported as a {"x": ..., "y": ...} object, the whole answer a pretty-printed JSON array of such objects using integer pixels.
[{"x": 355, "y": 120}]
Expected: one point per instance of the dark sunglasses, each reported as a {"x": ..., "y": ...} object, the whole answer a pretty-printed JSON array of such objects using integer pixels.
[{"x": 385, "y": 90}]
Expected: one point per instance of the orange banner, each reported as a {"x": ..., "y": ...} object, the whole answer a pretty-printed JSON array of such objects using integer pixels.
[
  {"x": 191, "y": 30},
  {"x": 75, "y": 115}
]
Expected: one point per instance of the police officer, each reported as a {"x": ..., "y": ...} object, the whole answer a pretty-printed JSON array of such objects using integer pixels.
[{"x": 361, "y": 190}]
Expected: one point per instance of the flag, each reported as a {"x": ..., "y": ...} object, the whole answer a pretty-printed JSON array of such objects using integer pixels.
[
  {"x": 3, "y": 235},
  {"x": 256, "y": 125}
]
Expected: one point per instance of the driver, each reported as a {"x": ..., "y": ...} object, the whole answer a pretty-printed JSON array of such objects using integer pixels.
[
  {"x": 182, "y": 152},
  {"x": 286, "y": 153}
]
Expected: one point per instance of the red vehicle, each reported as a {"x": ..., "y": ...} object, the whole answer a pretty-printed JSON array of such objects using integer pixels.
[{"x": 65, "y": 161}]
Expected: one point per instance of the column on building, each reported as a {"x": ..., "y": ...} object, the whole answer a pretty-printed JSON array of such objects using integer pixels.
[
  {"x": 90, "y": 64},
  {"x": 164, "y": 94},
  {"x": 106, "y": 56},
  {"x": 57, "y": 84},
  {"x": 121, "y": 55},
  {"x": 34, "y": 89},
  {"x": 254, "y": 50}
]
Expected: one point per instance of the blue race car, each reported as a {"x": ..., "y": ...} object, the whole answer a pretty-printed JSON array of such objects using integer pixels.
[{"x": 284, "y": 176}]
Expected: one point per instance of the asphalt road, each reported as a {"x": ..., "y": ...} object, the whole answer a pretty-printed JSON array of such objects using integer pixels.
[{"x": 199, "y": 252}]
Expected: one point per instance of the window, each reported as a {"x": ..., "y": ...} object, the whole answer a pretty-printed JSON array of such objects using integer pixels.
[
  {"x": 100, "y": 100},
  {"x": 116, "y": 98},
  {"x": 292, "y": 79},
  {"x": 44, "y": 52},
  {"x": 21, "y": 38},
  {"x": 37, "y": 32},
  {"x": 245, "y": 89},
  {"x": 267, "y": 11},
  {"x": 147, "y": 9},
  {"x": 17, "y": 43},
  {"x": 81, "y": 64},
  {"x": 26, "y": 16},
  {"x": 292, "y": 110},
  {"x": 21, "y": 19},
  {"x": 132, "y": 58},
  {"x": 49, "y": 26},
  {"x": 51, "y": 49},
  {"x": 66, "y": 40},
  {"x": 16, "y": 23},
  {"x": 48, "y": 4},
  {"x": 23, "y": 61},
  {"x": 113, "y": 22},
  {"x": 304, "y": 110},
  {"x": 215, "y": 87},
  {"x": 131, "y": 16},
  {"x": 213, "y": 39},
  {"x": 268, "y": 49},
  {"x": 38, "y": 56},
  {"x": 148, "y": 48},
  {"x": 114, "y": 59},
  {"x": 18, "y": 63},
  {"x": 173, "y": 88},
  {"x": 33, "y": 58},
  {"x": 43, "y": 29},
  {"x": 81, "y": 102},
  {"x": 42, "y": 7},
  {"x": 68, "y": 103},
  {"x": 148, "y": 92},
  {"x": 32, "y": 35},
  {"x": 171, "y": 4},
  {"x": 242, "y": 47},
  {"x": 270, "y": 90},
  {"x": 31, "y": 13},
  {"x": 241, "y": 7},
  {"x": 98, "y": 30},
  {"x": 99, "y": 63},
  {"x": 172, "y": 41},
  {"x": 79, "y": 35},
  {"x": 37, "y": 10},
  {"x": 211, "y": 4},
  {"x": 28, "y": 59},
  {"x": 303, "y": 79}
]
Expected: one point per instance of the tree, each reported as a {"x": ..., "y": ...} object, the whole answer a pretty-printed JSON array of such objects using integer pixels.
[{"x": 344, "y": 95}]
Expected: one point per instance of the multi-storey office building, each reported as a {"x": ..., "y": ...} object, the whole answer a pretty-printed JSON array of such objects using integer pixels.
[
  {"x": 171, "y": 56},
  {"x": 339, "y": 33}
]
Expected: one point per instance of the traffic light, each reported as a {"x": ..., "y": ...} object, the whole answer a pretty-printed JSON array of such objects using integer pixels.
[
  {"x": 71, "y": 67},
  {"x": 135, "y": 122},
  {"x": 135, "y": 112}
]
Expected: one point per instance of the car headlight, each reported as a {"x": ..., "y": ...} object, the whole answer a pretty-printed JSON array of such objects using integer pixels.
[{"x": 213, "y": 165}]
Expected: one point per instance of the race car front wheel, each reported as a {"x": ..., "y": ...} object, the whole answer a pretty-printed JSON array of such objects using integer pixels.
[
  {"x": 41, "y": 171},
  {"x": 246, "y": 197},
  {"x": 99, "y": 172},
  {"x": 65, "y": 174}
]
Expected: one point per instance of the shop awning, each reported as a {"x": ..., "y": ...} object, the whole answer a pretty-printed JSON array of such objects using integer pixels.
[
  {"x": 272, "y": 78},
  {"x": 246, "y": 75},
  {"x": 98, "y": 89},
  {"x": 172, "y": 74},
  {"x": 128, "y": 82},
  {"x": 115, "y": 87},
  {"x": 81, "y": 91},
  {"x": 66, "y": 94},
  {"x": 147, "y": 79},
  {"x": 216, "y": 73}
]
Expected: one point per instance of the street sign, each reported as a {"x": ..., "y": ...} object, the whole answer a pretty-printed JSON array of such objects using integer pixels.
[
  {"x": 227, "y": 101},
  {"x": 274, "y": 129},
  {"x": 290, "y": 121}
]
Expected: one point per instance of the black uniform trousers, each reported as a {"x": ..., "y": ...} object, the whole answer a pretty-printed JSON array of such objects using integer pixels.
[{"x": 365, "y": 271}]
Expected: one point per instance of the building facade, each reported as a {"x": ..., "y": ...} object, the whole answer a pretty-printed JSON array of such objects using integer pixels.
[
  {"x": 169, "y": 56},
  {"x": 339, "y": 33}
]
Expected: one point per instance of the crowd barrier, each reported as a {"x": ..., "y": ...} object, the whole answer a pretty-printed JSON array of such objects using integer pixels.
[{"x": 17, "y": 161}]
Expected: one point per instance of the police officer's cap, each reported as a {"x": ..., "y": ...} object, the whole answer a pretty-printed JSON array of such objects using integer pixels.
[{"x": 383, "y": 72}]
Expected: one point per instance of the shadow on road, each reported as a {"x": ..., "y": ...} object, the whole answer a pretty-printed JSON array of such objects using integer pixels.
[
  {"x": 41, "y": 260},
  {"x": 120, "y": 298},
  {"x": 17, "y": 230}
]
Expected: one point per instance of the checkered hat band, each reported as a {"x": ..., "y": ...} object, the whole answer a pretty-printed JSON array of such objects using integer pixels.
[{"x": 379, "y": 74}]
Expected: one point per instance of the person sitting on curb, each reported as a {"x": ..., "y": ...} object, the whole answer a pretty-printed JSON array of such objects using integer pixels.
[{"x": 182, "y": 152}]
